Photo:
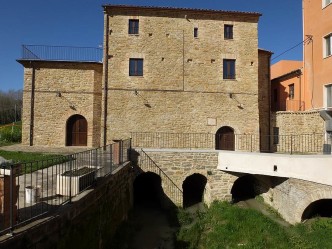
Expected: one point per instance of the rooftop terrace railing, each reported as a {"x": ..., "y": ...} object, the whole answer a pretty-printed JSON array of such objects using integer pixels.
[
  {"x": 287, "y": 144},
  {"x": 31, "y": 190},
  {"x": 62, "y": 53}
]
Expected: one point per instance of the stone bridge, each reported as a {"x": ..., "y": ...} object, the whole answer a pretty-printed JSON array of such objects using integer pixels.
[{"x": 298, "y": 187}]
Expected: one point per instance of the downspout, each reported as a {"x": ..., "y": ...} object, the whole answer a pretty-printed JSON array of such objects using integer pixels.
[
  {"x": 300, "y": 76},
  {"x": 32, "y": 106},
  {"x": 106, "y": 40},
  {"x": 269, "y": 100}
]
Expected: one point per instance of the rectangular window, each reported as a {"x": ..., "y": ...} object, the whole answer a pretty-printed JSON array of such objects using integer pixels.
[
  {"x": 228, "y": 31},
  {"x": 228, "y": 69},
  {"x": 326, "y": 2},
  {"x": 135, "y": 67},
  {"x": 328, "y": 45},
  {"x": 328, "y": 96},
  {"x": 133, "y": 27},
  {"x": 196, "y": 32},
  {"x": 291, "y": 91},
  {"x": 275, "y": 135}
]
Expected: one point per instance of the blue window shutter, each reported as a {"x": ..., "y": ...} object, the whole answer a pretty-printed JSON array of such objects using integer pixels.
[
  {"x": 140, "y": 67},
  {"x": 131, "y": 67}
]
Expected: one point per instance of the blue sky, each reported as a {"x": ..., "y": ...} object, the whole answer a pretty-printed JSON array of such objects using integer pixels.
[{"x": 80, "y": 23}]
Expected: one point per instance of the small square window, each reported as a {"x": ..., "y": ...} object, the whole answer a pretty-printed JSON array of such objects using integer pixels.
[
  {"x": 228, "y": 31},
  {"x": 133, "y": 27},
  {"x": 135, "y": 67},
  {"x": 196, "y": 32},
  {"x": 291, "y": 91},
  {"x": 228, "y": 69}
]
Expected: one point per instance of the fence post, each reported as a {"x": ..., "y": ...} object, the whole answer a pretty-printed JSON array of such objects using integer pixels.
[
  {"x": 70, "y": 178},
  {"x": 11, "y": 200},
  {"x": 291, "y": 152},
  {"x": 121, "y": 151},
  {"x": 251, "y": 143}
]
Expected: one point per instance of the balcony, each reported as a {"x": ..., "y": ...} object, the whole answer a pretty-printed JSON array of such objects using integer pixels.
[{"x": 61, "y": 53}]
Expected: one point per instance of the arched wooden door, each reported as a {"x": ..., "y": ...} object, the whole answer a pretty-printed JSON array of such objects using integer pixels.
[
  {"x": 225, "y": 139},
  {"x": 77, "y": 131}
]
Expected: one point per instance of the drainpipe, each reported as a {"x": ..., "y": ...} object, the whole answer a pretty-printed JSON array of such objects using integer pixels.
[
  {"x": 269, "y": 100},
  {"x": 106, "y": 40},
  {"x": 32, "y": 106}
]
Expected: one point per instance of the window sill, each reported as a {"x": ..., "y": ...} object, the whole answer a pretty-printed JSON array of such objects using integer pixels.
[
  {"x": 327, "y": 5},
  {"x": 328, "y": 56},
  {"x": 133, "y": 34},
  {"x": 229, "y": 79},
  {"x": 137, "y": 76}
]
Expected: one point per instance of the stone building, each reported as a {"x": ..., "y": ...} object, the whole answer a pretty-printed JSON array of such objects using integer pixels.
[{"x": 164, "y": 70}]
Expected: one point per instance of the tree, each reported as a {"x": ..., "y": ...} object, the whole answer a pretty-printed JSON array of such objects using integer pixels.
[{"x": 10, "y": 106}]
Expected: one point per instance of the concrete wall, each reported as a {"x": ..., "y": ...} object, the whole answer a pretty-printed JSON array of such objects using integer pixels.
[
  {"x": 315, "y": 168},
  {"x": 80, "y": 87},
  {"x": 182, "y": 89},
  {"x": 89, "y": 222}
]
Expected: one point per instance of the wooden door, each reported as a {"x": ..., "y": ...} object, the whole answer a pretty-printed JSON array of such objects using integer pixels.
[
  {"x": 77, "y": 131},
  {"x": 225, "y": 139}
]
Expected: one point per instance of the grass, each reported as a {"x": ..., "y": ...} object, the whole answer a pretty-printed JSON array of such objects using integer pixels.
[
  {"x": 228, "y": 226},
  {"x": 31, "y": 161},
  {"x": 10, "y": 134}
]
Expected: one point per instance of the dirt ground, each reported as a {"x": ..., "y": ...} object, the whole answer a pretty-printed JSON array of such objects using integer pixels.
[{"x": 153, "y": 229}]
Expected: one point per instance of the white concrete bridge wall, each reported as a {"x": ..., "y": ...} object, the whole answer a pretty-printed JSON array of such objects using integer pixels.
[{"x": 314, "y": 168}]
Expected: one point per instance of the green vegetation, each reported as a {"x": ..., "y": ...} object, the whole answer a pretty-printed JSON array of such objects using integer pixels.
[
  {"x": 228, "y": 226},
  {"x": 10, "y": 134},
  {"x": 32, "y": 161}
]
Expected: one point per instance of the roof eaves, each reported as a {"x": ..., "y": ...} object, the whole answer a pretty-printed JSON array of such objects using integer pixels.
[{"x": 180, "y": 9}]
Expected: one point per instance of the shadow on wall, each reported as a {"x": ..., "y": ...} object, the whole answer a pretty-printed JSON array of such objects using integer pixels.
[
  {"x": 321, "y": 208},
  {"x": 193, "y": 189},
  {"x": 249, "y": 186},
  {"x": 148, "y": 191}
]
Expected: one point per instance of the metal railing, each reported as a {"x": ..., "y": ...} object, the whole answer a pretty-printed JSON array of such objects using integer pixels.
[
  {"x": 30, "y": 190},
  {"x": 289, "y": 144},
  {"x": 62, "y": 53},
  {"x": 169, "y": 187}
]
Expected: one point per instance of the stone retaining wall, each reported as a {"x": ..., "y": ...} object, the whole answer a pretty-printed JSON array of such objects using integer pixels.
[{"x": 89, "y": 222}]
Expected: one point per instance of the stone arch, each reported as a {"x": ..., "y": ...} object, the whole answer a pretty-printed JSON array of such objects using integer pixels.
[
  {"x": 225, "y": 138},
  {"x": 245, "y": 187},
  {"x": 193, "y": 189},
  {"x": 148, "y": 189},
  {"x": 322, "y": 208},
  {"x": 325, "y": 193},
  {"x": 76, "y": 131}
]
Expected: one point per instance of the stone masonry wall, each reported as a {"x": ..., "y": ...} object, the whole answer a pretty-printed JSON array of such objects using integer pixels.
[
  {"x": 80, "y": 87},
  {"x": 306, "y": 122},
  {"x": 182, "y": 88},
  {"x": 181, "y": 164},
  {"x": 290, "y": 197},
  {"x": 89, "y": 222}
]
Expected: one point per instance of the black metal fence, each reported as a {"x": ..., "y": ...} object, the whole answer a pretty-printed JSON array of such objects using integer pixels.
[
  {"x": 29, "y": 190},
  {"x": 289, "y": 144},
  {"x": 62, "y": 53}
]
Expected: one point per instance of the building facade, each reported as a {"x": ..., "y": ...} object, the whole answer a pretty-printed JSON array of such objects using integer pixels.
[
  {"x": 179, "y": 71},
  {"x": 286, "y": 84},
  {"x": 164, "y": 70},
  {"x": 317, "y": 57}
]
